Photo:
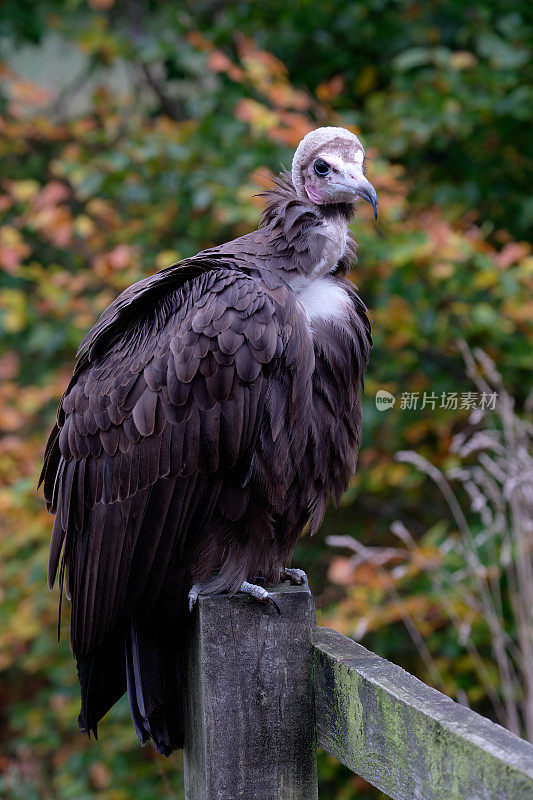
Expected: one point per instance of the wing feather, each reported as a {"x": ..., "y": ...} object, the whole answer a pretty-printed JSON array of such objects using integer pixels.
[{"x": 160, "y": 401}]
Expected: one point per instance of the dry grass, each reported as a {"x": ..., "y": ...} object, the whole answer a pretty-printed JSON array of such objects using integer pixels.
[{"x": 485, "y": 565}]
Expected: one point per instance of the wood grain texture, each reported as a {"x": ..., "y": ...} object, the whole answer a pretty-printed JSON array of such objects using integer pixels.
[
  {"x": 407, "y": 739},
  {"x": 250, "y": 717}
]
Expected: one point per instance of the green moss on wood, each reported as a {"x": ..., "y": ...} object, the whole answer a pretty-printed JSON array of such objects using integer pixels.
[{"x": 407, "y": 739}]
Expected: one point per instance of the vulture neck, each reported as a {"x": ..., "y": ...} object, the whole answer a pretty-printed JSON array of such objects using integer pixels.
[{"x": 306, "y": 241}]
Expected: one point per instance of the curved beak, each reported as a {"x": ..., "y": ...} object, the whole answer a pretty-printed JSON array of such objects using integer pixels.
[
  {"x": 352, "y": 187},
  {"x": 364, "y": 189}
]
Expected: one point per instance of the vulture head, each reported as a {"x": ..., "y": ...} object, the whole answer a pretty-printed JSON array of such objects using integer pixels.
[{"x": 327, "y": 168}]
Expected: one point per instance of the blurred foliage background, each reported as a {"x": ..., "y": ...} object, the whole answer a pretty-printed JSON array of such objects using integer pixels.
[{"x": 134, "y": 133}]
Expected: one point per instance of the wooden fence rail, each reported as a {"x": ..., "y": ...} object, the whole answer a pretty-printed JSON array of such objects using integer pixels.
[
  {"x": 264, "y": 690},
  {"x": 407, "y": 739}
]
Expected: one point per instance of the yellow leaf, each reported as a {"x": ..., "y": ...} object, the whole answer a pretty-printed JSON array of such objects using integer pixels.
[
  {"x": 13, "y": 249},
  {"x": 13, "y": 306},
  {"x": 84, "y": 226},
  {"x": 166, "y": 257},
  {"x": 463, "y": 59},
  {"x": 366, "y": 80},
  {"x": 24, "y": 190}
]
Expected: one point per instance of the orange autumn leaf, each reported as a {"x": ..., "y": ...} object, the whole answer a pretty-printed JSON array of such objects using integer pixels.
[
  {"x": 28, "y": 93},
  {"x": 328, "y": 90},
  {"x": 101, "y": 5},
  {"x": 219, "y": 62},
  {"x": 512, "y": 253}
]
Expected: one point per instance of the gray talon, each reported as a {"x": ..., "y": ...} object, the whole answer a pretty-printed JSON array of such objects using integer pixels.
[
  {"x": 194, "y": 594},
  {"x": 297, "y": 577},
  {"x": 252, "y": 589},
  {"x": 259, "y": 593}
]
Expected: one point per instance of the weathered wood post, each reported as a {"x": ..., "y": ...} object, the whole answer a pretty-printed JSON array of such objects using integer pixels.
[{"x": 251, "y": 726}]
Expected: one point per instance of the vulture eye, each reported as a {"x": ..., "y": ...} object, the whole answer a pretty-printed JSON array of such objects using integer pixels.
[{"x": 321, "y": 167}]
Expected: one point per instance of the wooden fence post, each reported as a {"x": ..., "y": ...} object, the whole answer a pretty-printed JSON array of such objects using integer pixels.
[{"x": 251, "y": 726}]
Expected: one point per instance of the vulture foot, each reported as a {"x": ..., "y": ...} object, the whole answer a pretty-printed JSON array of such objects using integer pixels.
[
  {"x": 246, "y": 588},
  {"x": 297, "y": 577},
  {"x": 198, "y": 590},
  {"x": 259, "y": 593},
  {"x": 194, "y": 594}
]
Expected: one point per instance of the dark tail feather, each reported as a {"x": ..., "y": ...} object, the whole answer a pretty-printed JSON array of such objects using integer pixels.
[
  {"x": 154, "y": 683},
  {"x": 103, "y": 681}
]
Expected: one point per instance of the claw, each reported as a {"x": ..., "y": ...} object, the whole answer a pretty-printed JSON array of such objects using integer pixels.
[
  {"x": 275, "y": 604},
  {"x": 259, "y": 593},
  {"x": 297, "y": 577},
  {"x": 194, "y": 594}
]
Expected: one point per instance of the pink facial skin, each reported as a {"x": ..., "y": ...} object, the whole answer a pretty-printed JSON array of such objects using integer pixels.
[
  {"x": 328, "y": 192},
  {"x": 314, "y": 195}
]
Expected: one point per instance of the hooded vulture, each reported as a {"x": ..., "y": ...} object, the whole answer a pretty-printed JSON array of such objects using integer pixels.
[{"x": 213, "y": 409}]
